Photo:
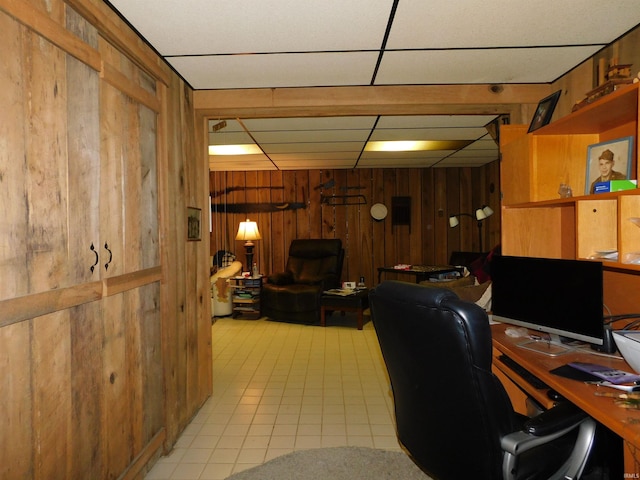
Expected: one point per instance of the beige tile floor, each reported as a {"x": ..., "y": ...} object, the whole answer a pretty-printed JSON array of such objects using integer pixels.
[{"x": 280, "y": 387}]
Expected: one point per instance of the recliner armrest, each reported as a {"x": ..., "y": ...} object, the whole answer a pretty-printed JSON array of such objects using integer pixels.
[{"x": 558, "y": 418}]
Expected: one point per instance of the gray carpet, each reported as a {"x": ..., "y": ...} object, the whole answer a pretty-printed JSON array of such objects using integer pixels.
[{"x": 338, "y": 463}]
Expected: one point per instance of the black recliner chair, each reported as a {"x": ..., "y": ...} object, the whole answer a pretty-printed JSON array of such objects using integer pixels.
[
  {"x": 314, "y": 265},
  {"x": 453, "y": 415}
]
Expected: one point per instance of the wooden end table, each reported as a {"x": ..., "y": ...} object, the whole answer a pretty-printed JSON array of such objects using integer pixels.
[{"x": 356, "y": 302}]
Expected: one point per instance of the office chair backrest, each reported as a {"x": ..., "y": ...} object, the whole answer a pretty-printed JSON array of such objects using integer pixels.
[{"x": 450, "y": 408}]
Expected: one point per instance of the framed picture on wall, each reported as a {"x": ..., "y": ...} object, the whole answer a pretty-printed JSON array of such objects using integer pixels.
[
  {"x": 544, "y": 111},
  {"x": 194, "y": 220},
  {"x": 608, "y": 161}
]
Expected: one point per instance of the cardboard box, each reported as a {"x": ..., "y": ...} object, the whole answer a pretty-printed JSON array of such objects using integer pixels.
[{"x": 615, "y": 186}]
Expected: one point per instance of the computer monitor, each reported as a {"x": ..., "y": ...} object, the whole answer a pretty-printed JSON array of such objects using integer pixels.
[{"x": 560, "y": 297}]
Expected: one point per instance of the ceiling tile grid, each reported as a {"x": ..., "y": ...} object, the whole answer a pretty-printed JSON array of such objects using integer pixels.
[{"x": 217, "y": 44}]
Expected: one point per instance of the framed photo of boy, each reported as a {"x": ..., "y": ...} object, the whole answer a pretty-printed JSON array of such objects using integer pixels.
[{"x": 608, "y": 161}]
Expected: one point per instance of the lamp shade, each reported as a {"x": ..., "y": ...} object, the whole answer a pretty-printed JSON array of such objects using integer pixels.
[
  {"x": 480, "y": 215},
  {"x": 453, "y": 221},
  {"x": 488, "y": 211},
  {"x": 248, "y": 230}
]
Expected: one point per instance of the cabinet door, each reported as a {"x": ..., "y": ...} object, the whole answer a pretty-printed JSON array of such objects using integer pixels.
[
  {"x": 128, "y": 189},
  {"x": 48, "y": 156},
  {"x": 131, "y": 375}
]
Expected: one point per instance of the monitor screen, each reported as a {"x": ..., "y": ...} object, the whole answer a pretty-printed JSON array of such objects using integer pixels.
[{"x": 560, "y": 297}]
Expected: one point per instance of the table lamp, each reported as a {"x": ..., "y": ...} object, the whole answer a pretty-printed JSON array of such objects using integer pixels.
[{"x": 248, "y": 231}]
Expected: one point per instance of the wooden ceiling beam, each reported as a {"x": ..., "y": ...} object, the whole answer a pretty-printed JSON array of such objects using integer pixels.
[{"x": 384, "y": 100}]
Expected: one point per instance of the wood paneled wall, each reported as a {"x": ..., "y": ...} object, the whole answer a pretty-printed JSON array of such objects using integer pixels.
[
  {"x": 105, "y": 339},
  {"x": 435, "y": 194}
]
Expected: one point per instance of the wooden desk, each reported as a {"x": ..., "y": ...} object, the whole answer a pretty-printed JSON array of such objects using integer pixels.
[
  {"x": 624, "y": 422},
  {"x": 421, "y": 272}
]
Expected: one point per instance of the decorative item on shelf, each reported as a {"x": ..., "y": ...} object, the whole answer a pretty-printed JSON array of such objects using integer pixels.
[
  {"x": 616, "y": 76},
  {"x": 544, "y": 111},
  {"x": 481, "y": 214},
  {"x": 248, "y": 231},
  {"x": 607, "y": 161},
  {"x": 565, "y": 191}
]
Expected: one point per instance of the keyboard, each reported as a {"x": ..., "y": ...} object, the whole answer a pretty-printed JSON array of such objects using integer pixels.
[{"x": 531, "y": 379}]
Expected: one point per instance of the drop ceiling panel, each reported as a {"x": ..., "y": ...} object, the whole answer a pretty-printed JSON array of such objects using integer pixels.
[
  {"x": 277, "y": 70},
  {"x": 315, "y": 164},
  {"x": 329, "y": 146},
  {"x": 434, "y": 121},
  {"x": 311, "y": 136},
  {"x": 214, "y": 26},
  {"x": 279, "y": 157},
  {"x": 396, "y": 163},
  {"x": 315, "y": 123},
  {"x": 513, "y": 65},
  {"x": 217, "y": 44},
  {"x": 449, "y": 133},
  {"x": 432, "y": 154},
  {"x": 510, "y": 23}
]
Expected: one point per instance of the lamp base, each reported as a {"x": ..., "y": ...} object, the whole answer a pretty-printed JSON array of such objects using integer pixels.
[{"x": 248, "y": 247}]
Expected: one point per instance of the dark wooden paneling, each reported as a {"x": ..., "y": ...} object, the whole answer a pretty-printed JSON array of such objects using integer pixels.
[{"x": 435, "y": 194}]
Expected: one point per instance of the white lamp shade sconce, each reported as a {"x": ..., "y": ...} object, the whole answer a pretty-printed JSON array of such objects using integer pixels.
[{"x": 481, "y": 213}]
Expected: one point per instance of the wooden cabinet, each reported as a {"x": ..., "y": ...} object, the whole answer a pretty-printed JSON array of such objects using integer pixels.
[
  {"x": 80, "y": 331},
  {"x": 536, "y": 221},
  {"x": 246, "y": 297}
]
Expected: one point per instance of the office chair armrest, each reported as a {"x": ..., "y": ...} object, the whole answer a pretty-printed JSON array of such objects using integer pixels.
[
  {"x": 543, "y": 428},
  {"x": 561, "y": 416},
  {"x": 516, "y": 443}
]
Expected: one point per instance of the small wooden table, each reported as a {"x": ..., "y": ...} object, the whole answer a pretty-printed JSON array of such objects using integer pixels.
[{"x": 355, "y": 302}]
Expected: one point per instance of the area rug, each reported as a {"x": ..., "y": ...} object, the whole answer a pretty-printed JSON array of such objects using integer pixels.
[{"x": 337, "y": 463}]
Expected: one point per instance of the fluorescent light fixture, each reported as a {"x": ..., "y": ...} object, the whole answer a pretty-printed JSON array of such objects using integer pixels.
[
  {"x": 246, "y": 149},
  {"x": 416, "y": 145}
]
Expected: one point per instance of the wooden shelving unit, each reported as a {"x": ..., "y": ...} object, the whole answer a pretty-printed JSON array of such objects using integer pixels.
[
  {"x": 246, "y": 297},
  {"x": 537, "y": 222}
]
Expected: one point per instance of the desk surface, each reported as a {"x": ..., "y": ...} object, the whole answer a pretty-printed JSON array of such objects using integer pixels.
[
  {"x": 624, "y": 422},
  {"x": 421, "y": 272}
]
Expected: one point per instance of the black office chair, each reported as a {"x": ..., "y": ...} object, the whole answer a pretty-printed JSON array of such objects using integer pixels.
[{"x": 453, "y": 416}]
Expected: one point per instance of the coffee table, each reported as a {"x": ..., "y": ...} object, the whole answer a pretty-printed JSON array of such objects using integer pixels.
[{"x": 355, "y": 302}]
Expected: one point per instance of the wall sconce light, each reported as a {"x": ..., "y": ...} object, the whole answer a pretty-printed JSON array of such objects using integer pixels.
[
  {"x": 482, "y": 213},
  {"x": 248, "y": 231}
]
